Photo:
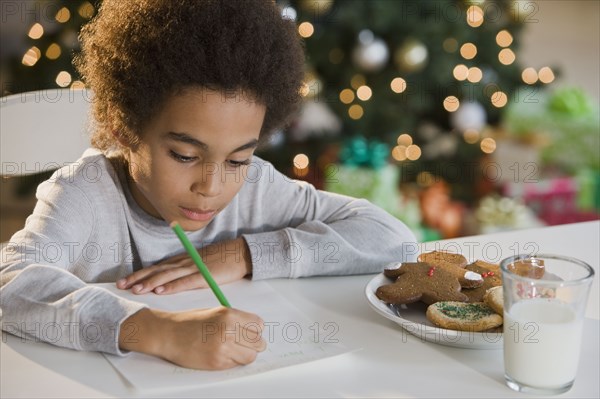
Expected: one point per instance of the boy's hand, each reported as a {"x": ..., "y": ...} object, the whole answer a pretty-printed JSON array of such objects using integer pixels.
[
  {"x": 206, "y": 339},
  {"x": 227, "y": 261}
]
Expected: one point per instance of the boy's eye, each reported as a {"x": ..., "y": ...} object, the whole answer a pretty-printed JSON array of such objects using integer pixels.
[
  {"x": 181, "y": 158},
  {"x": 237, "y": 164}
]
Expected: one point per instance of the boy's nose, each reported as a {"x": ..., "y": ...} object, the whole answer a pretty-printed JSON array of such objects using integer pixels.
[{"x": 208, "y": 181}]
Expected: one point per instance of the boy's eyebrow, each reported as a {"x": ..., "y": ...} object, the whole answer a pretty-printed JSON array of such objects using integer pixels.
[
  {"x": 186, "y": 138},
  {"x": 251, "y": 144}
]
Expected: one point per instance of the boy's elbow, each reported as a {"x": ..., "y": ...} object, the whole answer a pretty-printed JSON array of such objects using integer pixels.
[{"x": 405, "y": 243}]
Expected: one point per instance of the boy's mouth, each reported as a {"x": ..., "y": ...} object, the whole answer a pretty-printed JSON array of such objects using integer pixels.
[{"x": 199, "y": 215}]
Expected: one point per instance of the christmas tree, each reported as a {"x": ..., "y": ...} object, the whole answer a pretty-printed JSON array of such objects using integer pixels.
[{"x": 417, "y": 81}]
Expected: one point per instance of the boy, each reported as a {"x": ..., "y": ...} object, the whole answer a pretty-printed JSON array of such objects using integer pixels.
[{"x": 184, "y": 93}]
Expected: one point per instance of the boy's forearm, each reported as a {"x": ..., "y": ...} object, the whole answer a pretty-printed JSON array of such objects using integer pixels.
[
  {"x": 231, "y": 253},
  {"x": 139, "y": 331}
]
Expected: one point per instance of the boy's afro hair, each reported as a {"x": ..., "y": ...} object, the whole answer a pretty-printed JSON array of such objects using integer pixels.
[{"x": 136, "y": 53}]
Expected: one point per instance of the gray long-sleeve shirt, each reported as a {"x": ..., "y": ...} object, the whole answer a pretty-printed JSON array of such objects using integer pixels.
[{"x": 87, "y": 228}]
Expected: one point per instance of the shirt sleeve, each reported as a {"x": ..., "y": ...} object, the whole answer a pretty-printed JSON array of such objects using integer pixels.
[
  {"x": 308, "y": 232},
  {"x": 44, "y": 292}
]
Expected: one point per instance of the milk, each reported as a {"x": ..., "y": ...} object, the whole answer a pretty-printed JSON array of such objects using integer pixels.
[{"x": 542, "y": 340}]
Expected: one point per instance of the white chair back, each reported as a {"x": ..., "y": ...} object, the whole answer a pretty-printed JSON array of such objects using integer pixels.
[{"x": 43, "y": 130}]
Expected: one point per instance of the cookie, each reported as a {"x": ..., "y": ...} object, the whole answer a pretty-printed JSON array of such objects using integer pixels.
[
  {"x": 392, "y": 270},
  {"x": 455, "y": 264},
  {"x": 491, "y": 278},
  {"x": 461, "y": 316},
  {"x": 494, "y": 298},
  {"x": 443, "y": 258},
  {"x": 420, "y": 282}
]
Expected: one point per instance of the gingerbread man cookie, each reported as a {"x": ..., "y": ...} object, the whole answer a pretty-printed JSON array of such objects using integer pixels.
[
  {"x": 419, "y": 282},
  {"x": 455, "y": 264},
  {"x": 491, "y": 278},
  {"x": 443, "y": 258}
]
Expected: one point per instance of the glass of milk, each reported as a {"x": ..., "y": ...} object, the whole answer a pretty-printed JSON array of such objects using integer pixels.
[{"x": 544, "y": 304}]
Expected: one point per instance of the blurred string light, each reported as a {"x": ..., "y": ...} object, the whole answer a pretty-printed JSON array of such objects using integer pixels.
[
  {"x": 404, "y": 140},
  {"x": 460, "y": 72},
  {"x": 63, "y": 15},
  {"x": 357, "y": 81},
  {"x": 364, "y": 93},
  {"x": 413, "y": 152},
  {"x": 398, "y": 85},
  {"x": 86, "y": 10},
  {"x": 78, "y": 84},
  {"x": 355, "y": 112},
  {"x": 36, "y": 31},
  {"x": 346, "y": 96},
  {"x": 451, "y": 103},
  {"x": 475, "y": 16},
  {"x": 300, "y": 163},
  {"x": 475, "y": 75},
  {"x": 405, "y": 150},
  {"x": 506, "y": 56},
  {"x": 306, "y": 29},
  {"x": 488, "y": 145},
  {"x": 529, "y": 76},
  {"x": 31, "y": 57},
  {"x": 499, "y": 99},
  {"x": 546, "y": 75},
  {"x": 399, "y": 153},
  {"x": 468, "y": 51},
  {"x": 63, "y": 79},
  {"x": 504, "y": 38},
  {"x": 53, "y": 51}
]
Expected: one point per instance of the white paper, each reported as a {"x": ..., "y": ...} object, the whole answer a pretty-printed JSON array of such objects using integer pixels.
[{"x": 291, "y": 337}]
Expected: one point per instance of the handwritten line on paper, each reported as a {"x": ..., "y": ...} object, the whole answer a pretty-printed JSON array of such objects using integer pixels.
[{"x": 291, "y": 337}]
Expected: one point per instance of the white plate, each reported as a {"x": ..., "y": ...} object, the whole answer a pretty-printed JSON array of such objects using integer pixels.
[{"x": 412, "y": 319}]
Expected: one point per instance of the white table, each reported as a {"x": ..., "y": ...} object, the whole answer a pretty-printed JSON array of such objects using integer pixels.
[{"x": 386, "y": 362}]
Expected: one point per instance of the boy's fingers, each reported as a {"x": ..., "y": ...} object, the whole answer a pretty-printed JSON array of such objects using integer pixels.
[
  {"x": 251, "y": 329},
  {"x": 188, "y": 282},
  {"x": 244, "y": 355},
  {"x": 249, "y": 339},
  {"x": 147, "y": 272},
  {"x": 159, "y": 279},
  {"x": 139, "y": 275},
  {"x": 252, "y": 340}
]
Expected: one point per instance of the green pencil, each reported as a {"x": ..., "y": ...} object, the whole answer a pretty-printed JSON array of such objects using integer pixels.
[{"x": 191, "y": 250}]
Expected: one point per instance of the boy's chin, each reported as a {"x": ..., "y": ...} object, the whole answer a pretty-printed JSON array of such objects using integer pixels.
[{"x": 192, "y": 225}]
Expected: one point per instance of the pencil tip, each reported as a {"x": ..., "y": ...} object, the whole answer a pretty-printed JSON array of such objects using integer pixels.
[{"x": 173, "y": 223}]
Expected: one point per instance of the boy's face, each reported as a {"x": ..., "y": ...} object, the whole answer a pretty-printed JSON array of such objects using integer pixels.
[{"x": 193, "y": 155}]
